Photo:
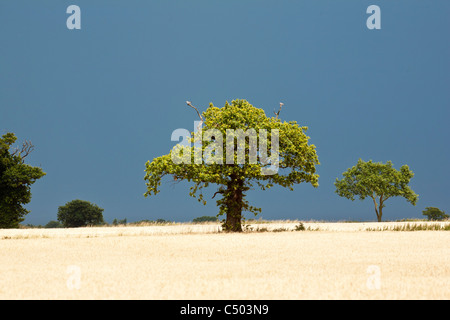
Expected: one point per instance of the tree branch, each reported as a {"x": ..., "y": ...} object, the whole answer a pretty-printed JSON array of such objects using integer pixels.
[
  {"x": 199, "y": 115},
  {"x": 27, "y": 148},
  {"x": 220, "y": 191},
  {"x": 375, "y": 203},
  {"x": 279, "y": 110}
]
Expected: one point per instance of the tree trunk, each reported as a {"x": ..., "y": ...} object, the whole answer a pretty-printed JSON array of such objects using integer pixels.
[
  {"x": 376, "y": 209},
  {"x": 234, "y": 202},
  {"x": 380, "y": 209}
]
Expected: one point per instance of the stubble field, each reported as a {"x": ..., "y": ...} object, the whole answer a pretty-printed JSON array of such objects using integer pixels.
[{"x": 339, "y": 261}]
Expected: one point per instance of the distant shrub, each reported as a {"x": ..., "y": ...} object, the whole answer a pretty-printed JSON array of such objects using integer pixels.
[
  {"x": 280, "y": 230},
  {"x": 206, "y": 219},
  {"x": 434, "y": 214},
  {"x": 255, "y": 229},
  {"x": 299, "y": 227},
  {"x": 143, "y": 222},
  {"x": 118, "y": 221},
  {"x": 53, "y": 224}
]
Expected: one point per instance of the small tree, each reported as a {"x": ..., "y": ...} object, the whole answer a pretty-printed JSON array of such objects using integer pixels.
[
  {"x": 80, "y": 213},
  {"x": 378, "y": 181},
  {"x": 435, "y": 214},
  {"x": 16, "y": 179}
]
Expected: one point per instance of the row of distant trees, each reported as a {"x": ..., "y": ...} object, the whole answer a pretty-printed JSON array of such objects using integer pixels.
[{"x": 80, "y": 213}]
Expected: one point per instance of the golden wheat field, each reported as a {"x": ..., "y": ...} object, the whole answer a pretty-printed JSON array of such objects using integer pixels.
[{"x": 187, "y": 261}]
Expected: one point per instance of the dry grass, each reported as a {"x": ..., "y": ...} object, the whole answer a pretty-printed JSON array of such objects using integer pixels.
[
  {"x": 147, "y": 229},
  {"x": 197, "y": 262}
]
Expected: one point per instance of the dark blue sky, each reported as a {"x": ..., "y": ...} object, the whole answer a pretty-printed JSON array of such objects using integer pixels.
[{"x": 99, "y": 102}]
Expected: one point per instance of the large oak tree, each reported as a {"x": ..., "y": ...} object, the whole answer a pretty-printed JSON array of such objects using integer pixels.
[{"x": 234, "y": 172}]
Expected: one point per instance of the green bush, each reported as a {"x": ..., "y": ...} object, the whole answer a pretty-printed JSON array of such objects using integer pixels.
[
  {"x": 80, "y": 213},
  {"x": 300, "y": 227},
  {"x": 53, "y": 224},
  {"x": 118, "y": 221},
  {"x": 206, "y": 219}
]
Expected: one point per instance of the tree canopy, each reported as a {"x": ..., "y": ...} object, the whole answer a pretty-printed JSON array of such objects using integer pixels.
[
  {"x": 378, "y": 181},
  {"x": 16, "y": 178},
  {"x": 260, "y": 151},
  {"x": 435, "y": 214}
]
